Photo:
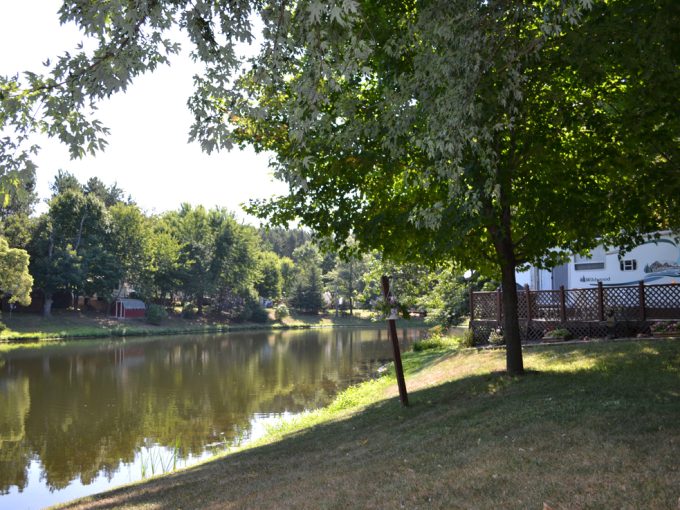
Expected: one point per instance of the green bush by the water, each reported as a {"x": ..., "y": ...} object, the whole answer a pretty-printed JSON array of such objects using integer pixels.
[
  {"x": 436, "y": 340},
  {"x": 259, "y": 314},
  {"x": 281, "y": 312},
  {"x": 155, "y": 314},
  {"x": 252, "y": 311}
]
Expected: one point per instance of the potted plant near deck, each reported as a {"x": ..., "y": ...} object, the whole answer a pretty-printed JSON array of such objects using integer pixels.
[
  {"x": 557, "y": 335},
  {"x": 666, "y": 329}
]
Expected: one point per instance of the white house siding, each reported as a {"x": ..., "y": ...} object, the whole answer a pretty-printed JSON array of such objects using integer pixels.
[{"x": 653, "y": 262}]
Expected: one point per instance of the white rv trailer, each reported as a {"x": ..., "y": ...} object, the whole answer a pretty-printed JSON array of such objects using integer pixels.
[{"x": 653, "y": 262}]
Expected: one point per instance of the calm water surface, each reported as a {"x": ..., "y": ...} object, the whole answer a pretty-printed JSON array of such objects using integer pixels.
[{"x": 82, "y": 418}]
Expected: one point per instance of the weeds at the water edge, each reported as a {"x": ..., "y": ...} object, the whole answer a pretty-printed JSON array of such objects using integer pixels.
[
  {"x": 438, "y": 338},
  {"x": 224, "y": 446},
  {"x": 153, "y": 461},
  {"x": 156, "y": 460}
]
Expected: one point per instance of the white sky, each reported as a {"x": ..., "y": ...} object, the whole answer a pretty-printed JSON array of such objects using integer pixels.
[{"x": 148, "y": 154}]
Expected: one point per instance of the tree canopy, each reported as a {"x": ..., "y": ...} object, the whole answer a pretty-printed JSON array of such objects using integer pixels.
[
  {"x": 14, "y": 277},
  {"x": 483, "y": 133},
  {"x": 479, "y": 133}
]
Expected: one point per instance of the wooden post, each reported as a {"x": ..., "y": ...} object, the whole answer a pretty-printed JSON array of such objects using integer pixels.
[
  {"x": 563, "y": 305},
  {"x": 499, "y": 308},
  {"x": 527, "y": 292},
  {"x": 600, "y": 301},
  {"x": 643, "y": 308},
  {"x": 392, "y": 330},
  {"x": 472, "y": 305}
]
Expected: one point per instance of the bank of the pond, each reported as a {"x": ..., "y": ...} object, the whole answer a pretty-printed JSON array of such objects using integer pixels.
[
  {"x": 590, "y": 425},
  {"x": 74, "y": 325}
]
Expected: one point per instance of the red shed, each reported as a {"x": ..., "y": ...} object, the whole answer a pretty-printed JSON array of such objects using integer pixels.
[{"x": 129, "y": 308}]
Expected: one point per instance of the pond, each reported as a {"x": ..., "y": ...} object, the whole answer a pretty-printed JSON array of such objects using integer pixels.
[{"x": 84, "y": 417}]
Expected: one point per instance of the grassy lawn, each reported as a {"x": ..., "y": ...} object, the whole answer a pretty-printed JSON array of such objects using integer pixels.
[
  {"x": 592, "y": 425},
  {"x": 73, "y": 324}
]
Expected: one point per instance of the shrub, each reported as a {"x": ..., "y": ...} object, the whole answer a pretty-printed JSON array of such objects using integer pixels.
[
  {"x": 189, "y": 311},
  {"x": 496, "y": 337},
  {"x": 665, "y": 327},
  {"x": 259, "y": 314},
  {"x": 243, "y": 314},
  {"x": 252, "y": 311},
  {"x": 281, "y": 312},
  {"x": 467, "y": 339},
  {"x": 437, "y": 340},
  {"x": 558, "y": 333},
  {"x": 429, "y": 343},
  {"x": 437, "y": 330},
  {"x": 3, "y": 326},
  {"x": 155, "y": 314}
]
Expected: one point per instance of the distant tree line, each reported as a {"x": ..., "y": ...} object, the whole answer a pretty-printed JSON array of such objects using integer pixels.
[{"x": 94, "y": 245}]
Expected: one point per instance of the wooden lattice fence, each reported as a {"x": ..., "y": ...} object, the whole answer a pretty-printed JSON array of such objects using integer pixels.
[{"x": 597, "y": 311}]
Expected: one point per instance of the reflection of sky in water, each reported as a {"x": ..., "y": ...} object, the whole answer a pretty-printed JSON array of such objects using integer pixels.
[
  {"x": 39, "y": 495},
  {"x": 82, "y": 419}
]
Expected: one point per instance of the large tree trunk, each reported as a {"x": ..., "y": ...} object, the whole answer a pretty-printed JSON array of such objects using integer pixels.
[
  {"x": 47, "y": 305},
  {"x": 505, "y": 249},
  {"x": 511, "y": 333},
  {"x": 80, "y": 234}
]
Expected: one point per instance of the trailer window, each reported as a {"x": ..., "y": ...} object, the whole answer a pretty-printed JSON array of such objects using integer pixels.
[
  {"x": 628, "y": 265},
  {"x": 593, "y": 261}
]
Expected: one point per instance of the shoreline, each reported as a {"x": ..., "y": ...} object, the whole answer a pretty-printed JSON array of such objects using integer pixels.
[
  {"x": 347, "y": 403},
  {"x": 63, "y": 328}
]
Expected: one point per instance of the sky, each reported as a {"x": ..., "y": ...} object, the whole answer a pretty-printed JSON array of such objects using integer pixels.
[{"x": 148, "y": 155}]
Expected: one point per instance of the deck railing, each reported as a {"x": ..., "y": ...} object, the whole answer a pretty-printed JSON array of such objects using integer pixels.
[{"x": 543, "y": 309}]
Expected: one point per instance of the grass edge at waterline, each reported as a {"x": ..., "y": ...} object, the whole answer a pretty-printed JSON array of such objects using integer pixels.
[{"x": 74, "y": 326}]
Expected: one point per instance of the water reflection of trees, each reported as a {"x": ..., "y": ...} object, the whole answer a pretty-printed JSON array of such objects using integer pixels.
[
  {"x": 15, "y": 403},
  {"x": 88, "y": 409}
]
